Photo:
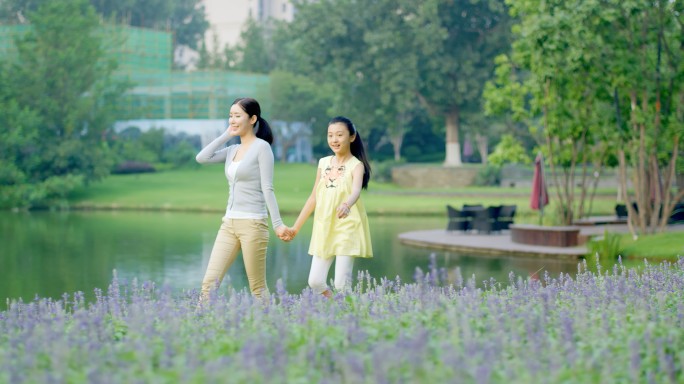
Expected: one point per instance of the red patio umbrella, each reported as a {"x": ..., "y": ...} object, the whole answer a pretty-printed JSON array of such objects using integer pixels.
[{"x": 539, "y": 197}]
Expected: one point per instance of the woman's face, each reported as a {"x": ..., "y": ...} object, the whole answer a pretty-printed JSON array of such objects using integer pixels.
[
  {"x": 239, "y": 121},
  {"x": 339, "y": 139}
]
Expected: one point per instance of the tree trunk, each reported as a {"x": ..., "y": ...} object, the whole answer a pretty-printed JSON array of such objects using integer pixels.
[
  {"x": 631, "y": 214},
  {"x": 397, "y": 141},
  {"x": 671, "y": 199},
  {"x": 453, "y": 147},
  {"x": 283, "y": 154},
  {"x": 482, "y": 147},
  {"x": 286, "y": 140},
  {"x": 653, "y": 196},
  {"x": 396, "y": 135},
  {"x": 553, "y": 145}
]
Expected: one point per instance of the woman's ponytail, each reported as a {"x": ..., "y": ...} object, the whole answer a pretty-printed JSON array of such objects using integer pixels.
[{"x": 263, "y": 130}]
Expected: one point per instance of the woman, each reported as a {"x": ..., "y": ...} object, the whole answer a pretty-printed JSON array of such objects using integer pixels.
[{"x": 249, "y": 170}]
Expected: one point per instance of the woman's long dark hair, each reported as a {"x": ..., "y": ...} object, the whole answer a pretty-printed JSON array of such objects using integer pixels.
[
  {"x": 252, "y": 108},
  {"x": 357, "y": 148}
]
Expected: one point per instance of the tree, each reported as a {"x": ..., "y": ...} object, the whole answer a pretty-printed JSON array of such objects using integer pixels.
[
  {"x": 321, "y": 52},
  {"x": 18, "y": 129},
  {"x": 392, "y": 71},
  {"x": 396, "y": 53},
  {"x": 368, "y": 77},
  {"x": 189, "y": 23},
  {"x": 456, "y": 43},
  {"x": 254, "y": 51},
  {"x": 60, "y": 97},
  {"x": 574, "y": 68},
  {"x": 647, "y": 79},
  {"x": 297, "y": 99},
  {"x": 217, "y": 58},
  {"x": 549, "y": 82}
]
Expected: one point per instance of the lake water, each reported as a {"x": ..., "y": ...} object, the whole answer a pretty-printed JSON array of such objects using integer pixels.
[{"x": 46, "y": 254}]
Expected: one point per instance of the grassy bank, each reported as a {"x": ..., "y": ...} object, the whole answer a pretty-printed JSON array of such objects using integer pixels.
[
  {"x": 663, "y": 246},
  {"x": 205, "y": 189}
]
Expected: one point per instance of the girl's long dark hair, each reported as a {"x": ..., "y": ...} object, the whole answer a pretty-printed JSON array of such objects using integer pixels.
[
  {"x": 357, "y": 148},
  {"x": 252, "y": 108}
]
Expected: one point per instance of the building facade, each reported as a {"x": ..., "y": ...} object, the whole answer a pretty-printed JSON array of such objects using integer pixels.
[{"x": 227, "y": 18}]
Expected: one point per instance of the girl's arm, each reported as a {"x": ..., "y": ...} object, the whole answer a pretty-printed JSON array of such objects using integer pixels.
[
  {"x": 209, "y": 154},
  {"x": 308, "y": 208},
  {"x": 357, "y": 182}
]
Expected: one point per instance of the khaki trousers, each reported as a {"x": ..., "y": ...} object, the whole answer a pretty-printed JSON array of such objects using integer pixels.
[{"x": 250, "y": 235}]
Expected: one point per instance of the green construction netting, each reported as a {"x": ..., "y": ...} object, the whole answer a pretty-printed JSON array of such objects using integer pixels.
[{"x": 145, "y": 59}]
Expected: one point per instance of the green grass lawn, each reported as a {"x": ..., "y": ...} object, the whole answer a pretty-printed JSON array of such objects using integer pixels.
[
  {"x": 666, "y": 245},
  {"x": 206, "y": 189}
]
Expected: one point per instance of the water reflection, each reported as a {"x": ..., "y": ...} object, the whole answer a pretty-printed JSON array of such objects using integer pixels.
[{"x": 46, "y": 254}]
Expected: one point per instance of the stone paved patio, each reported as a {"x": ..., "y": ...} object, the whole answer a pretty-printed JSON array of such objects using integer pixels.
[{"x": 501, "y": 244}]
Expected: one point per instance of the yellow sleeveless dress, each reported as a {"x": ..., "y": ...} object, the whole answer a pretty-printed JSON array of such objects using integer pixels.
[{"x": 349, "y": 236}]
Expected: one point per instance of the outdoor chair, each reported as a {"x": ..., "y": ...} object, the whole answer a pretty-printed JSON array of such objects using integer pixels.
[
  {"x": 635, "y": 206},
  {"x": 505, "y": 218},
  {"x": 620, "y": 211},
  {"x": 458, "y": 220},
  {"x": 484, "y": 220},
  {"x": 677, "y": 215}
]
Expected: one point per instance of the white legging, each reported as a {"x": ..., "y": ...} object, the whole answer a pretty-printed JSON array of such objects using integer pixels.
[{"x": 320, "y": 268}]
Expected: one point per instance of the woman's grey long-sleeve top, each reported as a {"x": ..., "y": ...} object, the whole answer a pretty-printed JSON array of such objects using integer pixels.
[{"x": 252, "y": 190}]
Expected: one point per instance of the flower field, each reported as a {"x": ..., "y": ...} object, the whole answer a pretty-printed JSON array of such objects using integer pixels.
[{"x": 622, "y": 325}]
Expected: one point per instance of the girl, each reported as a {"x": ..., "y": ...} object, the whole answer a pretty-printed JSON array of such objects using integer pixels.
[
  {"x": 340, "y": 228},
  {"x": 249, "y": 170}
]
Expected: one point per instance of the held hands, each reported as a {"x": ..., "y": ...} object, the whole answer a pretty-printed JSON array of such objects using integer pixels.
[
  {"x": 343, "y": 211},
  {"x": 285, "y": 233}
]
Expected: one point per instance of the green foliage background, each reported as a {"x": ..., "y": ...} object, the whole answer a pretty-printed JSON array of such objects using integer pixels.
[{"x": 56, "y": 106}]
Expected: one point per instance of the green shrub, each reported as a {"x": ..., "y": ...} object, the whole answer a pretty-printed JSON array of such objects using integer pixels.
[
  {"x": 133, "y": 167},
  {"x": 509, "y": 150},
  {"x": 489, "y": 175},
  {"x": 181, "y": 154},
  {"x": 607, "y": 247},
  {"x": 382, "y": 171},
  {"x": 51, "y": 192}
]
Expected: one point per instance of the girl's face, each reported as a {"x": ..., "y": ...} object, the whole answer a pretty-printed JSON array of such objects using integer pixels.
[
  {"x": 239, "y": 121},
  {"x": 339, "y": 138}
]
